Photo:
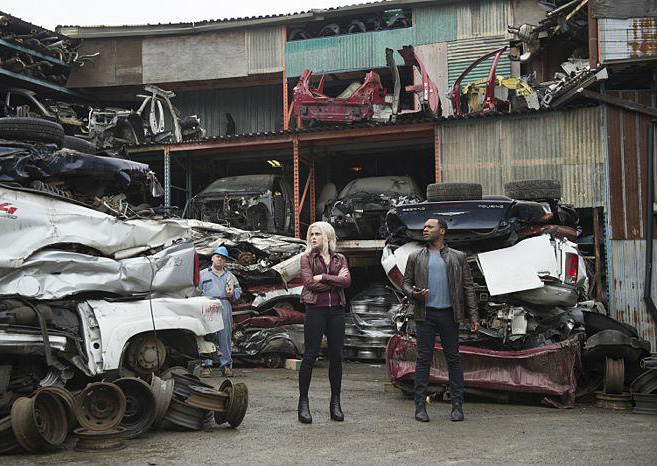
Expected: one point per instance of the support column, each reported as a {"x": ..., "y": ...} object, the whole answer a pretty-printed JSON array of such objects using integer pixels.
[
  {"x": 297, "y": 210},
  {"x": 313, "y": 201},
  {"x": 167, "y": 177},
  {"x": 286, "y": 117},
  {"x": 188, "y": 179},
  {"x": 438, "y": 153}
]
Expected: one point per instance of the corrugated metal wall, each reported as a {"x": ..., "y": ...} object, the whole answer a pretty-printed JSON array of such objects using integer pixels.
[
  {"x": 626, "y": 287},
  {"x": 564, "y": 145},
  {"x": 624, "y": 39},
  {"x": 254, "y": 109},
  {"x": 442, "y": 23},
  {"x": 264, "y": 48},
  {"x": 462, "y": 53}
]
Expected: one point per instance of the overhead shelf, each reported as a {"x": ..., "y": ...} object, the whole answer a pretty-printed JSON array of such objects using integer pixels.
[
  {"x": 38, "y": 85},
  {"x": 61, "y": 66}
]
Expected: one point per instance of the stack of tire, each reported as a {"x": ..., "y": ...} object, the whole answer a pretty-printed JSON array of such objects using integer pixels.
[
  {"x": 525, "y": 190},
  {"x": 39, "y": 130}
]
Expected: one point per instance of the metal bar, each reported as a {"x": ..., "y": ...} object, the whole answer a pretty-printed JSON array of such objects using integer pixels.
[
  {"x": 438, "y": 153},
  {"x": 232, "y": 143},
  {"x": 167, "y": 177},
  {"x": 188, "y": 179},
  {"x": 286, "y": 119},
  {"x": 596, "y": 239},
  {"x": 42, "y": 84},
  {"x": 622, "y": 103},
  {"x": 313, "y": 200},
  {"x": 306, "y": 186},
  {"x": 650, "y": 222},
  {"x": 34, "y": 53},
  {"x": 295, "y": 156},
  {"x": 394, "y": 130}
]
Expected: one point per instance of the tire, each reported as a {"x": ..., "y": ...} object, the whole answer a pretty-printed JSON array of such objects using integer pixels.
[
  {"x": 453, "y": 192},
  {"x": 31, "y": 129},
  {"x": 533, "y": 190},
  {"x": 79, "y": 144}
]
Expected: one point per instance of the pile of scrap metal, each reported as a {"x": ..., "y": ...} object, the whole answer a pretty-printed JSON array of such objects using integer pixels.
[
  {"x": 565, "y": 18},
  {"x": 532, "y": 292},
  {"x": 369, "y": 323},
  {"x": 359, "y": 210},
  {"x": 104, "y": 414},
  {"x": 509, "y": 94},
  {"x": 90, "y": 129},
  {"x": 389, "y": 19},
  {"x": 368, "y": 100},
  {"x": 32, "y": 158},
  {"x": 35, "y": 52}
]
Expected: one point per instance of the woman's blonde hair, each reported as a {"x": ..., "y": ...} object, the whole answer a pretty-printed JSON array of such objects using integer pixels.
[{"x": 327, "y": 230}]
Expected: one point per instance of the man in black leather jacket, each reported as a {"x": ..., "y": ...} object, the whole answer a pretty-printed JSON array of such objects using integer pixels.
[{"x": 439, "y": 283}]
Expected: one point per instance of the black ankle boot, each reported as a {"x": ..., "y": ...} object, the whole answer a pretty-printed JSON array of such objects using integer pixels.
[
  {"x": 304, "y": 410},
  {"x": 334, "y": 408},
  {"x": 421, "y": 412},
  {"x": 457, "y": 412}
]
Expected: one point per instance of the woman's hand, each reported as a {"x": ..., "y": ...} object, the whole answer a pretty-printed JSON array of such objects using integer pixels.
[
  {"x": 344, "y": 273},
  {"x": 318, "y": 278}
]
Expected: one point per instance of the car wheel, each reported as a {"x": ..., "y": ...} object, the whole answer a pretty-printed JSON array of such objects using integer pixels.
[
  {"x": 79, "y": 144},
  {"x": 453, "y": 192},
  {"x": 31, "y": 129},
  {"x": 533, "y": 190}
]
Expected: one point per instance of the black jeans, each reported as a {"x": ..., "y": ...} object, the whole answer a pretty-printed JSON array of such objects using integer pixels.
[
  {"x": 321, "y": 321},
  {"x": 441, "y": 321}
]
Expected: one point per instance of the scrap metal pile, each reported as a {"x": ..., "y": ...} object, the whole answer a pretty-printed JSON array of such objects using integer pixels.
[
  {"x": 531, "y": 287},
  {"x": 390, "y": 19},
  {"x": 103, "y": 415},
  {"x": 35, "y": 52}
]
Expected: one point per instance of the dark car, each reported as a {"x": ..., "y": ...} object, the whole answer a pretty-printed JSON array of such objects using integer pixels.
[
  {"x": 249, "y": 202},
  {"x": 359, "y": 210}
]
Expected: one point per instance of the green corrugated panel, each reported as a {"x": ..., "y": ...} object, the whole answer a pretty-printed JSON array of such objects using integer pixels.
[
  {"x": 435, "y": 24},
  {"x": 461, "y": 53},
  {"x": 367, "y": 51}
]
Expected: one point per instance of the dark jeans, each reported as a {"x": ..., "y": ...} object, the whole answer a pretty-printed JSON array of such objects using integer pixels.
[
  {"x": 321, "y": 321},
  {"x": 441, "y": 321}
]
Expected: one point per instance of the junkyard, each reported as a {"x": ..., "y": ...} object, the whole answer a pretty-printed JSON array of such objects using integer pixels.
[{"x": 167, "y": 192}]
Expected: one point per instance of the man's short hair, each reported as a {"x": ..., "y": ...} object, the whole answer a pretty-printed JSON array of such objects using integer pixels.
[{"x": 441, "y": 222}]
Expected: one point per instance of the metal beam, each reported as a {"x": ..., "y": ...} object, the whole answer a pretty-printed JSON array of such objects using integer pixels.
[
  {"x": 438, "y": 153},
  {"x": 392, "y": 130},
  {"x": 297, "y": 212},
  {"x": 622, "y": 103},
  {"x": 167, "y": 177}
]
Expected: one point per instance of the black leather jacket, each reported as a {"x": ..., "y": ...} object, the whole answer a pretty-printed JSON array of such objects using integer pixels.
[{"x": 461, "y": 286}]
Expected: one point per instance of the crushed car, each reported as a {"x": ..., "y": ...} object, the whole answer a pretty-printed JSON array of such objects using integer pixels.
[
  {"x": 537, "y": 322},
  {"x": 249, "y": 202},
  {"x": 359, "y": 210},
  {"x": 368, "y": 100}
]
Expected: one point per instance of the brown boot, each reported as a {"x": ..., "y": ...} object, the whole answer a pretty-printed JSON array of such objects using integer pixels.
[{"x": 227, "y": 371}]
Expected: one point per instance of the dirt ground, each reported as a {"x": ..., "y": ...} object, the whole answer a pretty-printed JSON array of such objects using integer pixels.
[{"x": 379, "y": 429}]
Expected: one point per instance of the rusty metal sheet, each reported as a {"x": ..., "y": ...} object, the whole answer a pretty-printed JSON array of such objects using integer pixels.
[
  {"x": 626, "y": 277},
  {"x": 550, "y": 370},
  {"x": 627, "y": 39},
  {"x": 622, "y": 9},
  {"x": 265, "y": 49}
]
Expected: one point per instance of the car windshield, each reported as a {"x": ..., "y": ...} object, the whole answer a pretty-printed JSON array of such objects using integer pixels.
[
  {"x": 251, "y": 183},
  {"x": 388, "y": 185}
]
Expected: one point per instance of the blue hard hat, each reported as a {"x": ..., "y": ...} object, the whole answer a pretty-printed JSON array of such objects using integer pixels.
[{"x": 221, "y": 250}]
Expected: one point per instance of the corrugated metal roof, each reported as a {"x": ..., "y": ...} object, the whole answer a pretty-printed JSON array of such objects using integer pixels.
[
  {"x": 562, "y": 145},
  {"x": 626, "y": 281},
  {"x": 461, "y": 54},
  {"x": 627, "y": 39},
  {"x": 199, "y": 26}
]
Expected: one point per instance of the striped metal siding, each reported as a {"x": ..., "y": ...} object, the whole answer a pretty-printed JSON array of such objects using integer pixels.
[
  {"x": 254, "y": 109},
  {"x": 627, "y": 39},
  {"x": 566, "y": 146},
  {"x": 434, "y": 24},
  {"x": 626, "y": 282},
  {"x": 461, "y": 53},
  {"x": 264, "y": 48},
  {"x": 627, "y": 136},
  {"x": 483, "y": 18}
]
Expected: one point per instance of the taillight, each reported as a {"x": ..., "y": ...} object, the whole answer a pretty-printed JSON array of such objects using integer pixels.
[
  {"x": 197, "y": 269},
  {"x": 572, "y": 267}
]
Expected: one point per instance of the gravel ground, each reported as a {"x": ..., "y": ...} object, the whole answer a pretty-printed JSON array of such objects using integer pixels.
[{"x": 379, "y": 429}]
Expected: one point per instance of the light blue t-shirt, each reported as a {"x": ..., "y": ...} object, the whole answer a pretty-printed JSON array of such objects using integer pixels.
[{"x": 438, "y": 282}]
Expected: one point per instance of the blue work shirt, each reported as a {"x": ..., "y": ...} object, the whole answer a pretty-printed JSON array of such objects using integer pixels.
[
  {"x": 214, "y": 286},
  {"x": 437, "y": 282}
]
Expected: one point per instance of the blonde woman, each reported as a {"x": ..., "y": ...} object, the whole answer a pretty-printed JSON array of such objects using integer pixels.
[{"x": 325, "y": 275}]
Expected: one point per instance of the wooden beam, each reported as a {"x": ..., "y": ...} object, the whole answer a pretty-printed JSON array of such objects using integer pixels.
[{"x": 622, "y": 103}]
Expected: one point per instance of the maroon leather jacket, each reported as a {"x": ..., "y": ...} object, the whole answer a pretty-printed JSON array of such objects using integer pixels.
[{"x": 312, "y": 264}]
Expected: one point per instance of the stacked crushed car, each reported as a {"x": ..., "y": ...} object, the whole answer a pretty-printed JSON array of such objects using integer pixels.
[{"x": 108, "y": 413}]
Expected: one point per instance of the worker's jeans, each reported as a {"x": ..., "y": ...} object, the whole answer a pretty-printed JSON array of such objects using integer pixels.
[
  {"x": 441, "y": 321},
  {"x": 223, "y": 338}
]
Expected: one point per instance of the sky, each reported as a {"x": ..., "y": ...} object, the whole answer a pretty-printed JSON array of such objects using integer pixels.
[{"x": 51, "y": 13}]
